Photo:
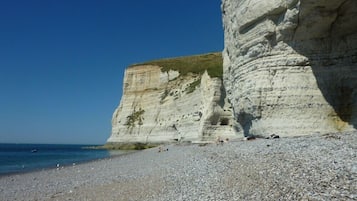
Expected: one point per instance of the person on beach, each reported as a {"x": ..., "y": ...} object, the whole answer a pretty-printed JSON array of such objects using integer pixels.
[{"x": 219, "y": 141}]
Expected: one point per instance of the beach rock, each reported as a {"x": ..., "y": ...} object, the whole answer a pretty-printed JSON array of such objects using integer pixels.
[
  {"x": 164, "y": 106},
  {"x": 290, "y": 67}
]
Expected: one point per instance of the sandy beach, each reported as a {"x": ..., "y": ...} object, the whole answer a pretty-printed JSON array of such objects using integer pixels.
[{"x": 318, "y": 167}]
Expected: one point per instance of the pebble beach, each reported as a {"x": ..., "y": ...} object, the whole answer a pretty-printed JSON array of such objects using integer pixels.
[{"x": 317, "y": 167}]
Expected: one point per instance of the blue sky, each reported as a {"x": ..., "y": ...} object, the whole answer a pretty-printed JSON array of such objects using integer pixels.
[{"x": 62, "y": 62}]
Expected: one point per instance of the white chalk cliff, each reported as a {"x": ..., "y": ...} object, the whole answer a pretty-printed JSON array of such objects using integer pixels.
[
  {"x": 161, "y": 106},
  {"x": 290, "y": 66}
]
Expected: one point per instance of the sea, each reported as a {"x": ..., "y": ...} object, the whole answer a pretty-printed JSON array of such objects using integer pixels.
[{"x": 20, "y": 158}]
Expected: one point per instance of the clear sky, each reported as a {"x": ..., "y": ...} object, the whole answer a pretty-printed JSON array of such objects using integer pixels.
[{"x": 62, "y": 62}]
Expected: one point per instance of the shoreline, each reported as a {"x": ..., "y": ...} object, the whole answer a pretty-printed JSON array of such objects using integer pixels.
[
  {"x": 66, "y": 165},
  {"x": 308, "y": 167}
]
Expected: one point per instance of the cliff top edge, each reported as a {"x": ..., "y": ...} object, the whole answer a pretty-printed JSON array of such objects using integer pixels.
[{"x": 197, "y": 64}]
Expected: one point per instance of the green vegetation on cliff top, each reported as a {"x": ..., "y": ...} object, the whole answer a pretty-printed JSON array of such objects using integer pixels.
[{"x": 196, "y": 64}]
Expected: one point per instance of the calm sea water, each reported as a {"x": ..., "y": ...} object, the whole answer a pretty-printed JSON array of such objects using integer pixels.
[{"x": 16, "y": 158}]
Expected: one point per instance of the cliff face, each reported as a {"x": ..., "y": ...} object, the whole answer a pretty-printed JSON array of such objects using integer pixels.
[
  {"x": 160, "y": 104},
  {"x": 290, "y": 66}
]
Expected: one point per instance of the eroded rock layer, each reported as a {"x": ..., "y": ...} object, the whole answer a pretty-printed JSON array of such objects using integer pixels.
[
  {"x": 165, "y": 106},
  {"x": 290, "y": 66}
]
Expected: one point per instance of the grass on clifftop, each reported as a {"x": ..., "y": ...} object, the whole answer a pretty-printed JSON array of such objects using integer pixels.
[{"x": 196, "y": 64}]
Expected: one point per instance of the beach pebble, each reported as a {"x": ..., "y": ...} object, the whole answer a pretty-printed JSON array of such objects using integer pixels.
[{"x": 299, "y": 168}]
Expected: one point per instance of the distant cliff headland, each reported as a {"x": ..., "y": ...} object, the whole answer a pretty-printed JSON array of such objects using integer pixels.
[
  {"x": 173, "y": 100},
  {"x": 288, "y": 68}
]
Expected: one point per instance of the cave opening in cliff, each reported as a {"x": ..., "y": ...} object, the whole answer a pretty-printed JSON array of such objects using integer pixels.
[{"x": 224, "y": 122}]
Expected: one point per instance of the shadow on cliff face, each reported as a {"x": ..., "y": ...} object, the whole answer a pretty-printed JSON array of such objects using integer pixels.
[
  {"x": 332, "y": 53},
  {"x": 245, "y": 120}
]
